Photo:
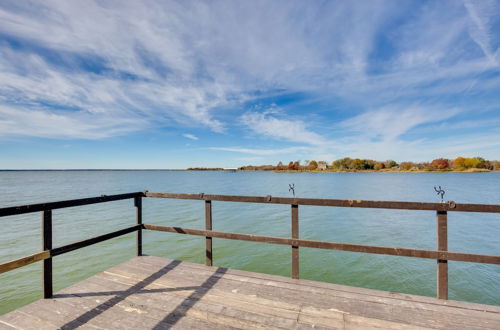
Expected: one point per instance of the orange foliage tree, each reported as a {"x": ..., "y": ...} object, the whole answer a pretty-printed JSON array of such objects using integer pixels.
[
  {"x": 406, "y": 166},
  {"x": 440, "y": 164}
]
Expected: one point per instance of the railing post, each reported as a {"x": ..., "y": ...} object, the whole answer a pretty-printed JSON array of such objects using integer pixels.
[
  {"x": 208, "y": 240},
  {"x": 442, "y": 245},
  {"x": 47, "y": 245},
  {"x": 138, "y": 218},
  {"x": 295, "y": 234}
]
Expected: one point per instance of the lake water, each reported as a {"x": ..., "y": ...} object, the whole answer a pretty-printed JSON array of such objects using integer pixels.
[{"x": 468, "y": 232}]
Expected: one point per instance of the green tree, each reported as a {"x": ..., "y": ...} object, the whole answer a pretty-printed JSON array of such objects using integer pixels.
[
  {"x": 391, "y": 164},
  {"x": 357, "y": 164},
  {"x": 346, "y": 163},
  {"x": 368, "y": 164}
]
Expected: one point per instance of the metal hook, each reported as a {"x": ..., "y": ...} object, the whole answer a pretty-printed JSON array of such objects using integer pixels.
[
  {"x": 292, "y": 188},
  {"x": 440, "y": 192}
]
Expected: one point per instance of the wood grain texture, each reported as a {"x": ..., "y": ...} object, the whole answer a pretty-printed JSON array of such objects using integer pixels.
[
  {"x": 21, "y": 262},
  {"x": 442, "y": 245},
  {"x": 156, "y": 293}
]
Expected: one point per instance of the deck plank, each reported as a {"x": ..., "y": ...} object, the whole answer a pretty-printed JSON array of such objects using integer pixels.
[
  {"x": 333, "y": 290},
  {"x": 157, "y": 293},
  {"x": 307, "y": 284},
  {"x": 410, "y": 313},
  {"x": 200, "y": 305}
]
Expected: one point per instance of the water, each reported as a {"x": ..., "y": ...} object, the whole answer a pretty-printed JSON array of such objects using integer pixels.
[{"x": 468, "y": 232}]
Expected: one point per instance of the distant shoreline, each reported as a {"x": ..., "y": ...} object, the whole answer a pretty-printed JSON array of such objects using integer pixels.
[
  {"x": 239, "y": 170},
  {"x": 374, "y": 171},
  {"x": 90, "y": 170}
]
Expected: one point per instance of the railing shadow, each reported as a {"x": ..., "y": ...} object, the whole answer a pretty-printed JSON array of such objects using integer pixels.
[
  {"x": 121, "y": 292},
  {"x": 181, "y": 310},
  {"x": 96, "y": 311}
]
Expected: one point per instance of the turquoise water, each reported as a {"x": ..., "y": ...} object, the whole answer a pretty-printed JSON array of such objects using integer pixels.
[{"x": 468, "y": 232}]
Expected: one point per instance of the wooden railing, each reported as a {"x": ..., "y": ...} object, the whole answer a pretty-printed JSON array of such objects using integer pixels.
[
  {"x": 48, "y": 251},
  {"x": 441, "y": 254}
]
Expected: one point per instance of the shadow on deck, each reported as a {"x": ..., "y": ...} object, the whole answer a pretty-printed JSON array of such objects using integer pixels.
[{"x": 158, "y": 293}]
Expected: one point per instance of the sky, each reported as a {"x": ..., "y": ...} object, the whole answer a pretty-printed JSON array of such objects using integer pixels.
[{"x": 176, "y": 84}]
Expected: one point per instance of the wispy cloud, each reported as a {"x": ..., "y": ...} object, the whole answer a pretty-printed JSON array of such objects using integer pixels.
[
  {"x": 190, "y": 136},
  {"x": 22, "y": 122},
  {"x": 262, "y": 152},
  {"x": 268, "y": 125},
  {"x": 367, "y": 72},
  {"x": 482, "y": 14},
  {"x": 391, "y": 123}
]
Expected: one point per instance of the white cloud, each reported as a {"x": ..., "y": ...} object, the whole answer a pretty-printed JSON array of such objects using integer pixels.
[
  {"x": 481, "y": 14},
  {"x": 23, "y": 122},
  {"x": 262, "y": 152},
  {"x": 288, "y": 130},
  {"x": 195, "y": 64},
  {"x": 390, "y": 123},
  {"x": 190, "y": 136}
]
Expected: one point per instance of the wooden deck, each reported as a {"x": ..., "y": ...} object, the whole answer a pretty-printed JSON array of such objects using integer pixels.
[{"x": 156, "y": 293}]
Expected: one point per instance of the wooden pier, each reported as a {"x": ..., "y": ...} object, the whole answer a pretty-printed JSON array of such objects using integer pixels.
[{"x": 157, "y": 293}]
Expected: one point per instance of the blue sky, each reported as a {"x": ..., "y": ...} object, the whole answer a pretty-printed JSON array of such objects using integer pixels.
[{"x": 173, "y": 84}]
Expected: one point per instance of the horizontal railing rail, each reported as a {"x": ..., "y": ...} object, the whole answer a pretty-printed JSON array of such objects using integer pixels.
[
  {"x": 441, "y": 254},
  {"x": 422, "y": 206},
  {"x": 13, "y": 210},
  {"x": 373, "y": 249},
  {"x": 48, "y": 251}
]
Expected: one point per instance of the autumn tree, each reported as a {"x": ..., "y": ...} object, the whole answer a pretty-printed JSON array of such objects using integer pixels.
[
  {"x": 471, "y": 163},
  {"x": 342, "y": 164},
  {"x": 312, "y": 165},
  {"x": 406, "y": 166},
  {"x": 440, "y": 164},
  {"x": 459, "y": 163}
]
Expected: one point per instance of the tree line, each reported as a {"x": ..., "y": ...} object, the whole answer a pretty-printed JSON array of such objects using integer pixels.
[{"x": 357, "y": 164}]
